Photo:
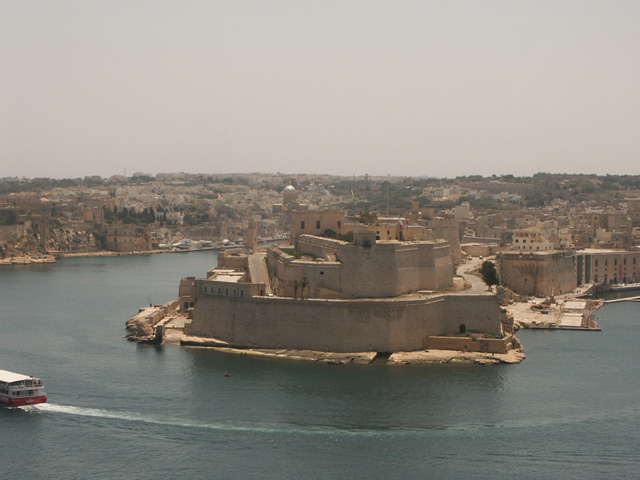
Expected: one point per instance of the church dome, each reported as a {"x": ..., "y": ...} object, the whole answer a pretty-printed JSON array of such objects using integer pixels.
[{"x": 289, "y": 195}]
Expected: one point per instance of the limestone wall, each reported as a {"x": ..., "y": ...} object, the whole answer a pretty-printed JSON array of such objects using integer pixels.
[
  {"x": 315, "y": 223},
  {"x": 341, "y": 325},
  {"x": 322, "y": 276},
  {"x": 233, "y": 260},
  {"x": 385, "y": 269},
  {"x": 213, "y": 288},
  {"x": 447, "y": 229},
  {"x": 469, "y": 344},
  {"x": 539, "y": 274}
]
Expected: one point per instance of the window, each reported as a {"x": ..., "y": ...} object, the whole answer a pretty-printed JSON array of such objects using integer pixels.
[
  {"x": 302, "y": 225},
  {"x": 339, "y": 224},
  {"x": 318, "y": 224}
]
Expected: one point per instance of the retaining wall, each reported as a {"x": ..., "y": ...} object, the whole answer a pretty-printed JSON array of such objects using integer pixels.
[{"x": 342, "y": 325}]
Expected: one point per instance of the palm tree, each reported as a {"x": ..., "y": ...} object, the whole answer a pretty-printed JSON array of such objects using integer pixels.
[
  {"x": 295, "y": 284},
  {"x": 303, "y": 284}
]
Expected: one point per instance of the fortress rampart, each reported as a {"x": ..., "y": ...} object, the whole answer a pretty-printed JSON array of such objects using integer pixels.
[
  {"x": 384, "y": 325},
  {"x": 539, "y": 273},
  {"x": 382, "y": 269}
]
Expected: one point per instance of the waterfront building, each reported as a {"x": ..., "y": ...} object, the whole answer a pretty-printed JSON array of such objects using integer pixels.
[
  {"x": 127, "y": 238},
  {"x": 598, "y": 266}
]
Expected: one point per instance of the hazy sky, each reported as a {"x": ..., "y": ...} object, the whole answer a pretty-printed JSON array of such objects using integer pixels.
[{"x": 436, "y": 88}]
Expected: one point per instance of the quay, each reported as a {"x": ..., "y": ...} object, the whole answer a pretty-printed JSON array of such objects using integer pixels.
[
  {"x": 569, "y": 313},
  {"x": 625, "y": 299}
]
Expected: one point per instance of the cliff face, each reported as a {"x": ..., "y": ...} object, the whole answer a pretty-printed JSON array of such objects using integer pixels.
[{"x": 24, "y": 245}]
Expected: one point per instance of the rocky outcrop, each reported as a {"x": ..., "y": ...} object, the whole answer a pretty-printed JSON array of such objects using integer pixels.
[
  {"x": 142, "y": 327},
  {"x": 26, "y": 260}
]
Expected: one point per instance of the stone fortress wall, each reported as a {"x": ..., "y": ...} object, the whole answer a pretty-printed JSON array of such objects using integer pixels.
[
  {"x": 449, "y": 230},
  {"x": 366, "y": 269},
  {"x": 388, "y": 325},
  {"x": 540, "y": 274},
  {"x": 369, "y": 295}
]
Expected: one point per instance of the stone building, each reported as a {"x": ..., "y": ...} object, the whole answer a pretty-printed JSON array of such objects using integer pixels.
[
  {"x": 316, "y": 223},
  {"x": 540, "y": 274},
  {"x": 127, "y": 238},
  {"x": 364, "y": 269},
  {"x": 607, "y": 266},
  {"x": 533, "y": 239},
  {"x": 369, "y": 295}
]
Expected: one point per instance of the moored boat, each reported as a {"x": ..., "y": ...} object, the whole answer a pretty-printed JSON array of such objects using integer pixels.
[{"x": 17, "y": 390}]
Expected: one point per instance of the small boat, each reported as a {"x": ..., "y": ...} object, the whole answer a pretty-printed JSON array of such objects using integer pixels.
[{"x": 18, "y": 390}]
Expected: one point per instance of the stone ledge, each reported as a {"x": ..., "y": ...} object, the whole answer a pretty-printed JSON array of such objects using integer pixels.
[
  {"x": 455, "y": 356},
  {"x": 421, "y": 357}
]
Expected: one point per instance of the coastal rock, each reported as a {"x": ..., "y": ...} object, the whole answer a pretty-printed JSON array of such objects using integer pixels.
[
  {"x": 140, "y": 327},
  {"x": 455, "y": 356}
]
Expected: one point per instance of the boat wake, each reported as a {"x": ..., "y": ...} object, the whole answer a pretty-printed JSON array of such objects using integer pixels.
[
  {"x": 179, "y": 422},
  {"x": 320, "y": 430}
]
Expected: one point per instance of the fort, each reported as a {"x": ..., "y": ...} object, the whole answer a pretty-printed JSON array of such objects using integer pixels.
[{"x": 329, "y": 295}]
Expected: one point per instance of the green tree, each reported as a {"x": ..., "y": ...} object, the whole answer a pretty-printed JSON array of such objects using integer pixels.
[
  {"x": 368, "y": 218},
  {"x": 489, "y": 274}
]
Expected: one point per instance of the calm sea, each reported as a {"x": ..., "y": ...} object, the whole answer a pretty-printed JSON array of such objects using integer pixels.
[{"x": 122, "y": 410}]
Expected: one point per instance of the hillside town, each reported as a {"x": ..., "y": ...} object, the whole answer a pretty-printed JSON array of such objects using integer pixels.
[{"x": 549, "y": 233}]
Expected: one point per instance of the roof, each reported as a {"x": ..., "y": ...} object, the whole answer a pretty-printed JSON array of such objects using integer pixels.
[
  {"x": 9, "y": 377},
  {"x": 226, "y": 275}
]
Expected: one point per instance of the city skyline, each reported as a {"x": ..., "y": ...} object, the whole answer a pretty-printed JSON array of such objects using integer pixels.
[{"x": 437, "y": 89}]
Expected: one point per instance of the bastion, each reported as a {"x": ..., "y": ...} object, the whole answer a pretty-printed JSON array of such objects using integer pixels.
[{"x": 328, "y": 295}]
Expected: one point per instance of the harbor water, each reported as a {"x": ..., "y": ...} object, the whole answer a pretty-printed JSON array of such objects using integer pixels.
[{"x": 117, "y": 409}]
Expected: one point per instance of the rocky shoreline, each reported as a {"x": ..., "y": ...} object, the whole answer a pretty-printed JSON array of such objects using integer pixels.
[
  {"x": 27, "y": 260},
  {"x": 36, "y": 260},
  {"x": 421, "y": 357}
]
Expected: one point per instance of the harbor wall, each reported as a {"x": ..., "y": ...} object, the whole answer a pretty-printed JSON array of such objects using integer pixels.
[{"x": 342, "y": 325}]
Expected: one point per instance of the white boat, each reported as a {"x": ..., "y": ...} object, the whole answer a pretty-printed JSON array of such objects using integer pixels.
[{"x": 17, "y": 390}]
